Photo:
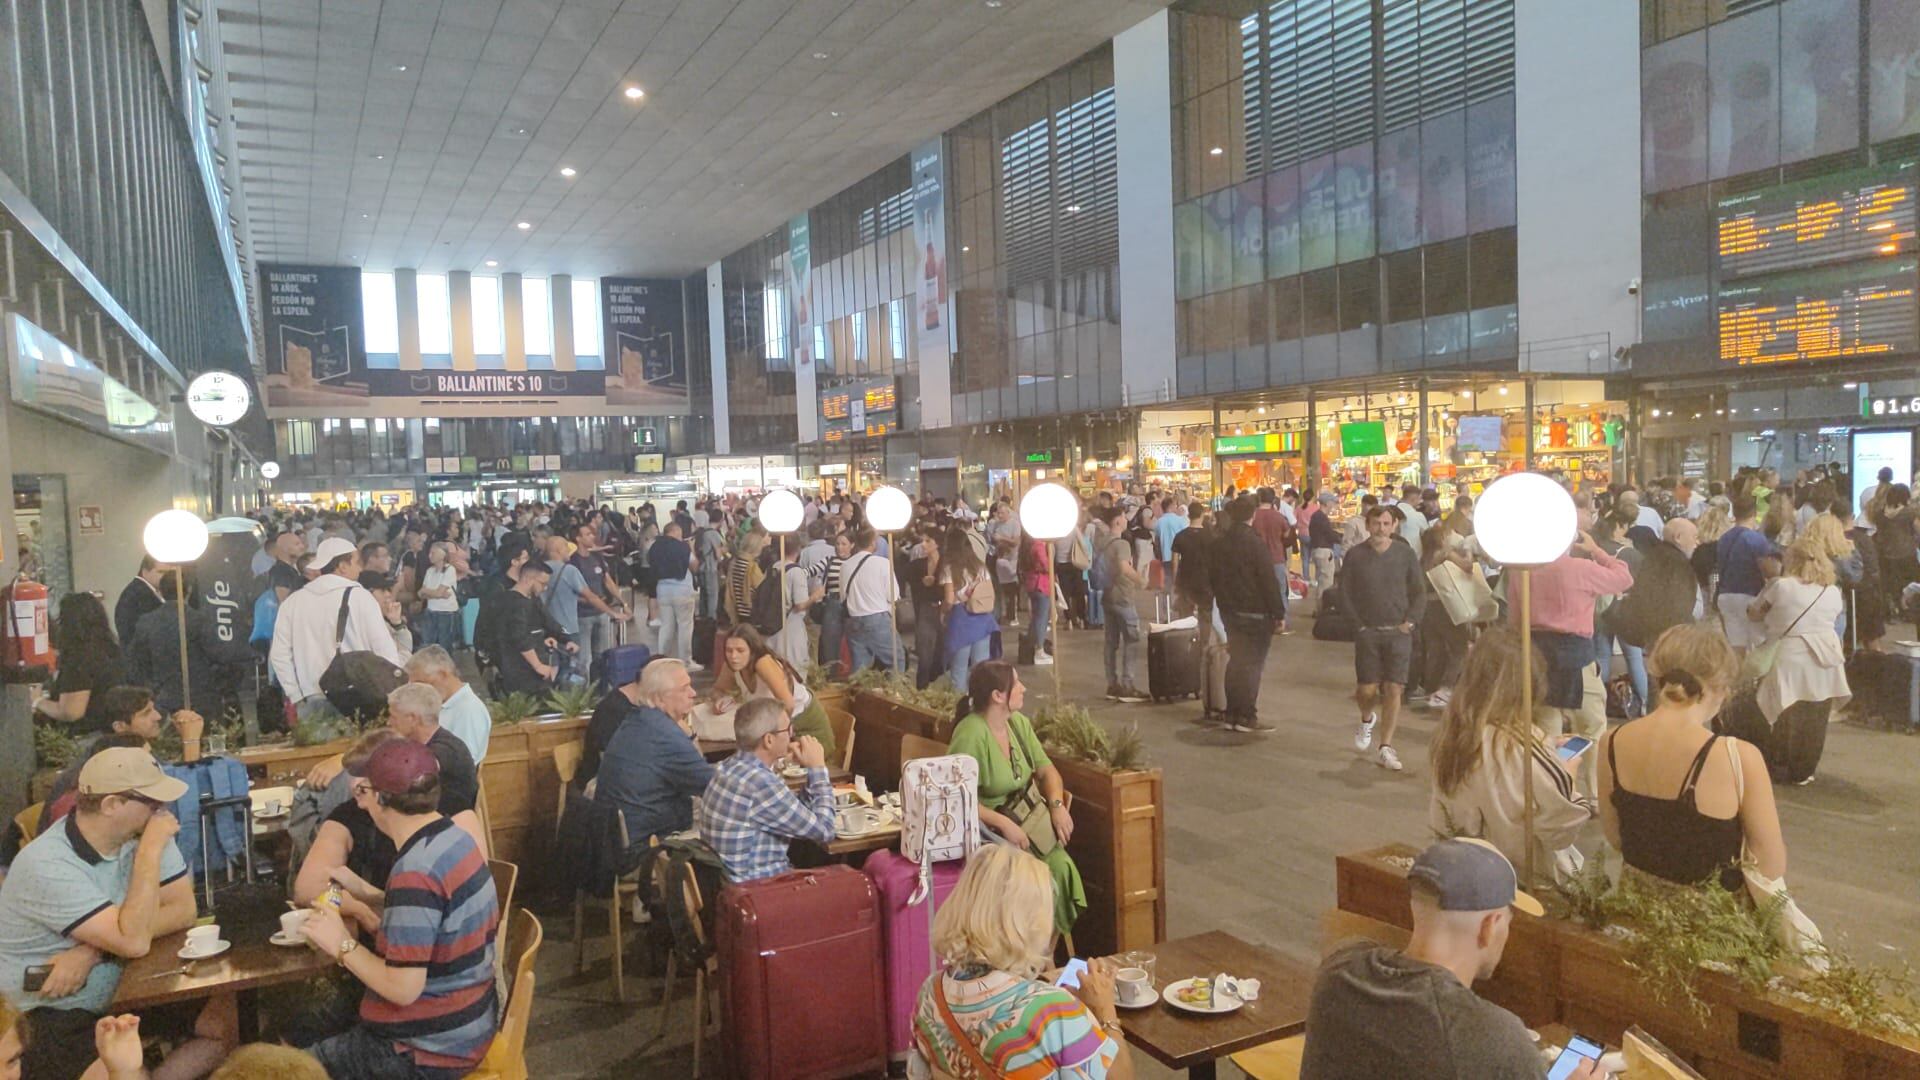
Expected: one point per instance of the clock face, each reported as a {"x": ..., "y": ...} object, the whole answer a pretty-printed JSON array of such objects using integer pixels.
[
  {"x": 218, "y": 398},
  {"x": 270, "y": 469}
]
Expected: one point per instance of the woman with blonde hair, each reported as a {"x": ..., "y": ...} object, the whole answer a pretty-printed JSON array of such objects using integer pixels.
[
  {"x": 1706, "y": 557},
  {"x": 1808, "y": 676},
  {"x": 1679, "y": 802},
  {"x": 990, "y": 1013},
  {"x": 1487, "y": 750}
]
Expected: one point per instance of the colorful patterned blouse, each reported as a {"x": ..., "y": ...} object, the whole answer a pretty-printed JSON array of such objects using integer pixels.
[{"x": 1024, "y": 1028}]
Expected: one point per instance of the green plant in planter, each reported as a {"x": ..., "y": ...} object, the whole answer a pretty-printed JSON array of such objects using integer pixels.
[
  {"x": 513, "y": 708},
  {"x": 571, "y": 701},
  {"x": 325, "y": 729},
  {"x": 939, "y": 698},
  {"x": 1069, "y": 730},
  {"x": 1862, "y": 996},
  {"x": 1680, "y": 929},
  {"x": 54, "y": 748}
]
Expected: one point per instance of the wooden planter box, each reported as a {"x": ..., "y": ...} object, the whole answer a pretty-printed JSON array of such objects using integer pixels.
[
  {"x": 518, "y": 775},
  {"x": 1120, "y": 830},
  {"x": 1555, "y": 970}
]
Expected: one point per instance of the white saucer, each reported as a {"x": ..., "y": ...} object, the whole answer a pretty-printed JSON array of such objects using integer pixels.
[
  {"x": 189, "y": 954},
  {"x": 281, "y": 937},
  {"x": 262, "y": 815},
  {"x": 1121, "y": 1003}
]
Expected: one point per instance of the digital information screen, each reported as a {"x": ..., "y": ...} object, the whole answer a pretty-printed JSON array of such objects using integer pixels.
[
  {"x": 860, "y": 407},
  {"x": 1837, "y": 312},
  {"x": 1859, "y": 215}
]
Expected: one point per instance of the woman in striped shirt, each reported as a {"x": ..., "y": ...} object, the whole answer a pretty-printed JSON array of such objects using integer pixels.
[{"x": 989, "y": 1013}]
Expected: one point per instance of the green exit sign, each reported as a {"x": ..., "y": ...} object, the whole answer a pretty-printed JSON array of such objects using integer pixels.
[{"x": 1039, "y": 457}]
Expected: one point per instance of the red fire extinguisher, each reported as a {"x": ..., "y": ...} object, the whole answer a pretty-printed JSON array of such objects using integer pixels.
[{"x": 26, "y": 635}]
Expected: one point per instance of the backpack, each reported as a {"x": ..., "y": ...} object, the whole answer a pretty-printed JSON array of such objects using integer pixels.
[
  {"x": 769, "y": 607},
  {"x": 980, "y": 595},
  {"x": 940, "y": 808},
  {"x": 1101, "y": 574},
  {"x": 266, "y": 610}
]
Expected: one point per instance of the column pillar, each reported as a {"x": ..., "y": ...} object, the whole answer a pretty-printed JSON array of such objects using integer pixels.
[
  {"x": 460, "y": 311},
  {"x": 406, "y": 306},
  {"x": 16, "y": 716},
  {"x": 560, "y": 291},
  {"x": 513, "y": 323},
  {"x": 716, "y": 360},
  {"x": 1421, "y": 435},
  {"x": 1143, "y": 114}
]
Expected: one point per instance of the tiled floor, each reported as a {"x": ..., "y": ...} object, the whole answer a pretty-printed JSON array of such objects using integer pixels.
[{"x": 1253, "y": 824}]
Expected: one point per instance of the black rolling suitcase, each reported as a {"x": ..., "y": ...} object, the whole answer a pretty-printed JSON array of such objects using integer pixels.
[
  {"x": 1173, "y": 654},
  {"x": 1332, "y": 621},
  {"x": 1881, "y": 685}
]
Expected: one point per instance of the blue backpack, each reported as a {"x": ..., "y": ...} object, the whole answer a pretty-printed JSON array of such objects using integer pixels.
[
  {"x": 266, "y": 608},
  {"x": 1100, "y": 573}
]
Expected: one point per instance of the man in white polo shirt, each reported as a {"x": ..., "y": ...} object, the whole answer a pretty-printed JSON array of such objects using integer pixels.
[{"x": 868, "y": 585}]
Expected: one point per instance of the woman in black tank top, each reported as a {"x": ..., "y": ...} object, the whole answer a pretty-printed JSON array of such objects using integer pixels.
[{"x": 1671, "y": 838}]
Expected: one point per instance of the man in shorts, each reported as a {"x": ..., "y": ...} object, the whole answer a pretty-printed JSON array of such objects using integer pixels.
[
  {"x": 1746, "y": 559},
  {"x": 1382, "y": 585},
  {"x": 94, "y": 890}
]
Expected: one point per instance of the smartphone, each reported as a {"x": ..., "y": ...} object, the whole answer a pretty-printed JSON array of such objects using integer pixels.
[
  {"x": 1579, "y": 1048},
  {"x": 1070, "y": 975},
  {"x": 36, "y": 977},
  {"x": 1573, "y": 747}
]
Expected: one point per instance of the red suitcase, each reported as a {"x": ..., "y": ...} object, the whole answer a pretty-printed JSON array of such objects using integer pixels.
[
  {"x": 802, "y": 990},
  {"x": 908, "y": 932}
]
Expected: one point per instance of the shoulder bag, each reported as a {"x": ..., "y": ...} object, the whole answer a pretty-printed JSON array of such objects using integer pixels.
[
  {"x": 1761, "y": 658},
  {"x": 358, "y": 682},
  {"x": 1030, "y": 808},
  {"x": 1795, "y": 931}
]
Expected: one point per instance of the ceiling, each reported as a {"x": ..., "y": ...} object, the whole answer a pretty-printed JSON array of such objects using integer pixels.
[{"x": 753, "y": 111}]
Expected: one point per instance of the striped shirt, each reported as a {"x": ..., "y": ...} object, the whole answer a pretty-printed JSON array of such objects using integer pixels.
[
  {"x": 441, "y": 915},
  {"x": 1026, "y": 1030}
]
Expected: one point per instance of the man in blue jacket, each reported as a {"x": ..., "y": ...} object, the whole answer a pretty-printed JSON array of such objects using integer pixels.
[{"x": 652, "y": 770}]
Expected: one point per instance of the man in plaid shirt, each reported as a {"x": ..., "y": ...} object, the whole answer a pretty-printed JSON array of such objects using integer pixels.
[{"x": 748, "y": 814}]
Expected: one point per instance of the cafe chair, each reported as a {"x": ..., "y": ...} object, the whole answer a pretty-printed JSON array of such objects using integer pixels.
[
  {"x": 28, "y": 822},
  {"x": 915, "y": 747},
  {"x": 506, "y": 876},
  {"x": 486, "y": 819},
  {"x": 506, "y": 1057},
  {"x": 843, "y": 734},
  {"x": 566, "y": 763},
  {"x": 686, "y": 892},
  {"x": 1280, "y": 1059},
  {"x": 626, "y": 887}
]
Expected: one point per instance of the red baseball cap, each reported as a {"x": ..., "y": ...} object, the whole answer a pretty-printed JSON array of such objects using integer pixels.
[{"x": 397, "y": 765}]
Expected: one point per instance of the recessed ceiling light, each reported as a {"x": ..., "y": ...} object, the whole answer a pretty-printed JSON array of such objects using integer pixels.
[
  {"x": 634, "y": 93},
  {"x": 1073, "y": 208},
  {"x": 399, "y": 67},
  {"x": 363, "y": 217},
  {"x": 1849, "y": 386},
  {"x": 820, "y": 56},
  {"x": 1217, "y": 151},
  {"x": 519, "y": 131},
  {"x": 996, "y": 3},
  {"x": 493, "y": 262},
  {"x": 379, "y": 157},
  {"x": 834, "y": 115},
  {"x": 964, "y": 247},
  {"x": 568, "y": 170},
  {"x": 523, "y": 226}
]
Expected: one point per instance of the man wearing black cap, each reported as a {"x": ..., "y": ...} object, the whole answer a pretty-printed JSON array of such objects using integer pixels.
[{"x": 1378, "y": 1012}]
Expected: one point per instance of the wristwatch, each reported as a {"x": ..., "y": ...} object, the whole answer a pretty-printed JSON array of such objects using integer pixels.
[
  {"x": 347, "y": 945},
  {"x": 1057, "y": 803}
]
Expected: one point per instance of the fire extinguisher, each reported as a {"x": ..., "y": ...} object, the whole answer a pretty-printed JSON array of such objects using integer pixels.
[{"x": 26, "y": 635}]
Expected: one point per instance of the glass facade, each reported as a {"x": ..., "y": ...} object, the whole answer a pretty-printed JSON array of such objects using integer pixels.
[
  {"x": 1344, "y": 189},
  {"x": 760, "y": 383},
  {"x": 864, "y": 275},
  {"x": 1035, "y": 249}
]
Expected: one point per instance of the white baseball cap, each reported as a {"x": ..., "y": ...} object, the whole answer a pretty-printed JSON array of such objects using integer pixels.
[{"x": 330, "y": 549}]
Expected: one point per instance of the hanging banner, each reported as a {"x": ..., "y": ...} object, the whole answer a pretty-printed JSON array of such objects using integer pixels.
[
  {"x": 933, "y": 326},
  {"x": 800, "y": 258},
  {"x": 314, "y": 349},
  {"x": 441, "y": 385},
  {"x": 643, "y": 328}
]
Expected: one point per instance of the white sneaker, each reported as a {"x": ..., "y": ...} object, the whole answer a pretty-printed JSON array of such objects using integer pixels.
[
  {"x": 695, "y": 669},
  {"x": 654, "y": 623},
  {"x": 1364, "y": 738},
  {"x": 1388, "y": 759},
  {"x": 1439, "y": 699},
  {"x": 1041, "y": 659}
]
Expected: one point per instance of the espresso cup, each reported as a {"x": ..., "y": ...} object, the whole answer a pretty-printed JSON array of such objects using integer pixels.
[
  {"x": 203, "y": 938},
  {"x": 1134, "y": 985},
  {"x": 272, "y": 808},
  {"x": 854, "y": 819},
  {"x": 292, "y": 921}
]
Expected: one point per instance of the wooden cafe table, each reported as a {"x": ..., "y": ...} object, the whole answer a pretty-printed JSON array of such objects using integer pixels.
[
  {"x": 243, "y": 969},
  {"x": 1194, "y": 1041}
]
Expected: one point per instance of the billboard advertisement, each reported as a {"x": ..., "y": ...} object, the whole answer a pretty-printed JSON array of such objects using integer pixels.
[
  {"x": 933, "y": 325},
  {"x": 643, "y": 330},
  {"x": 315, "y": 349}
]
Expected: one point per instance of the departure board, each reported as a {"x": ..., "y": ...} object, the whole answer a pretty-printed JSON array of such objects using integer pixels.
[
  {"x": 833, "y": 406},
  {"x": 1861, "y": 310},
  {"x": 1864, "y": 214},
  {"x": 859, "y": 407}
]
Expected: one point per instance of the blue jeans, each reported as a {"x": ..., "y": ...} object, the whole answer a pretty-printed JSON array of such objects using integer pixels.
[
  {"x": 1636, "y": 658},
  {"x": 962, "y": 661},
  {"x": 675, "y": 636},
  {"x": 440, "y": 628},
  {"x": 359, "y": 1053},
  {"x": 595, "y": 637},
  {"x": 1096, "y": 608},
  {"x": 1041, "y": 609},
  {"x": 833, "y": 630},
  {"x": 1123, "y": 632},
  {"x": 871, "y": 639}
]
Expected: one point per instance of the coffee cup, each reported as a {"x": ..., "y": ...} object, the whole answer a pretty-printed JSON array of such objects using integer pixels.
[
  {"x": 854, "y": 819},
  {"x": 202, "y": 939},
  {"x": 1133, "y": 986},
  {"x": 292, "y": 921},
  {"x": 272, "y": 808}
]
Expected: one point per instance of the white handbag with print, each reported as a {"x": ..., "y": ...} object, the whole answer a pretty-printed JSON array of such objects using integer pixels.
[{"x": 940, "y": 801}]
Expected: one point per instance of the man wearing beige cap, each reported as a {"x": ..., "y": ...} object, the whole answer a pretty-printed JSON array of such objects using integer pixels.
[
  {"x": 304, "y": 633},
  {"x": 100, "y": 887},
  {"x": 1379, "y": 1012}
]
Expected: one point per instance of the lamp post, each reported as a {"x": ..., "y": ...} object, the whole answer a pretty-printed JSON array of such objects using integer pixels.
[
  {"x": 177, "y": 537},
  {"x": 888, "y": 511},
  {"x": 1525, "y": 521},
  {"x": 1049, "y": 512}
]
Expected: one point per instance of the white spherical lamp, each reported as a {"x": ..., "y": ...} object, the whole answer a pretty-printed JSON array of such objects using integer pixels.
[
  {"x": 889, "y": 509},
  {"x": 175, "y": 536},
  {"x": 780, "y": 511},
  {"x": 1049, "y": 511},
  {"x": 1525, "y": 519}
]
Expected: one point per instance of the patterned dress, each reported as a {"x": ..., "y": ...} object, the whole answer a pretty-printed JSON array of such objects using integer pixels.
[{"x": 1023, "y": 1028}]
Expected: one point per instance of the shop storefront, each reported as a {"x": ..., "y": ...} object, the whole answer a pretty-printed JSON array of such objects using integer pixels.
[
  {"x": 1177, "y": 451},
  {"x": 1788, "y": 422}
]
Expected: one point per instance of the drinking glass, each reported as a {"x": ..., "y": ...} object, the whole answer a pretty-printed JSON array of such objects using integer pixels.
[{"x": 1138, "y": 958}]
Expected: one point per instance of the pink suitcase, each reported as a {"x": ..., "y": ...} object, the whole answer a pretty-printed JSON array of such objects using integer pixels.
[{"x": 906, "y": 931}]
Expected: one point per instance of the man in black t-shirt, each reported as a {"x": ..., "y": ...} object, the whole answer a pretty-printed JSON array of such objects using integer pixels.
[
  {"x": 284, "y": 575},
  {"x": 1190, "y": 581},
  {"x": 524, "y": 635},
  {"x": 1378, "y": 1012},
  {"x": 413, "y": 710}
]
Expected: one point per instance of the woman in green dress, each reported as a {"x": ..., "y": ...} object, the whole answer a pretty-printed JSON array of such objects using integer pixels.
[{"x": 992, "y": 731}]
